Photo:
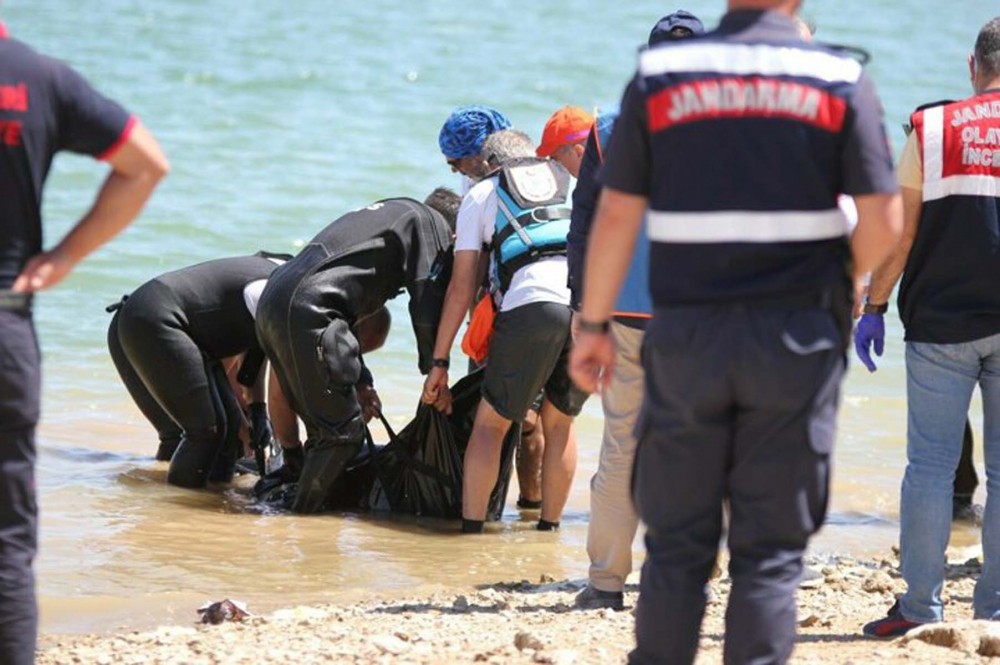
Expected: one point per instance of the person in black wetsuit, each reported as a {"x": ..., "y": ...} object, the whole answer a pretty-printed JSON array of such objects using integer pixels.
[
  {"x": 310, "y": 304},
  {"x": 168, "y": 340}
]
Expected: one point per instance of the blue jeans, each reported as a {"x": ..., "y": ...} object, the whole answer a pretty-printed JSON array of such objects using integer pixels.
[{"x": 940, "y": 379}]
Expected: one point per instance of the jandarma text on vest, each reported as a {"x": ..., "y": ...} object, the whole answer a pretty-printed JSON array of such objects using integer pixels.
[{"x": 745, "y": 97}]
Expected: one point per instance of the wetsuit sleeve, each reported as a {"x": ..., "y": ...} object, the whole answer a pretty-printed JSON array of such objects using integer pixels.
[
  {"x": 89, "y": 123},
  {"x": 867, "y": 158},
  {"x": 627, "y": 164},
  {"x": 426, "y": 302},
  {"x": 427, "y": 275},
  {"x": 584, "y": 203}
]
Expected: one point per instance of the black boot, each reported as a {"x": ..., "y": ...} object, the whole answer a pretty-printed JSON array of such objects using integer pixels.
[{"x": 323, "y": 466}]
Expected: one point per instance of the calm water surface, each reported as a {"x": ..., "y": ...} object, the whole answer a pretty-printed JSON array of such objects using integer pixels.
[{"x": 278, "y": 117}]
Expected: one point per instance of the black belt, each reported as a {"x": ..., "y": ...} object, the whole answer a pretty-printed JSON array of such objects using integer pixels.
[
  {"x": 15, "y": 302},
  {"x": 825, "y": 299}
]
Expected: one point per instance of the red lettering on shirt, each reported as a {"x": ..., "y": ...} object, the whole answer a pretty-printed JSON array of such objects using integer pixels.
[
  {"x": 749, "y": 97},
  {"x": 14, "y": 97},
  {"x": 10, "y": 132}
]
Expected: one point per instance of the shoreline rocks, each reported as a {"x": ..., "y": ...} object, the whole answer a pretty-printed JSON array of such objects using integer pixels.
[{"x": 522, "y": 622}]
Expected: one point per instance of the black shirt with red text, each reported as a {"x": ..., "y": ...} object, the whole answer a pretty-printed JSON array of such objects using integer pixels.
[{"x": 45, "y": 107}]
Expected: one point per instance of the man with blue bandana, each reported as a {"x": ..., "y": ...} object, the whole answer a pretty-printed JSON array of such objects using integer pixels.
[
  {"x": 462, "y": 136},
  {"x": 461, "y": 140}
]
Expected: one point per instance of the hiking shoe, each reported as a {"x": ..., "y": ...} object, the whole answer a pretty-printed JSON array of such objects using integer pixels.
[
  {"x": 963, "y": 510},
  {"x": 893, "y": 625},
  {"x": 595, "y": 599}
]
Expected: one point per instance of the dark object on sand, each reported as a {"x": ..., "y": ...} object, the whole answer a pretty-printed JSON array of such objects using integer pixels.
[
  {"x": 224, "y": 610},
  {"x": 419, "y": 472}
]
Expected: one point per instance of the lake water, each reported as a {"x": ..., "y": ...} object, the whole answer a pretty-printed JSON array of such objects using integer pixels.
[{"x": 277, "y": 118}]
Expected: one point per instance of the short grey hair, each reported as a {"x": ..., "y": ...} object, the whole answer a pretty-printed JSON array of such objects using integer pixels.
[
  {"x": 988, "y": 49},
  {"x": 503, "y": 146}
]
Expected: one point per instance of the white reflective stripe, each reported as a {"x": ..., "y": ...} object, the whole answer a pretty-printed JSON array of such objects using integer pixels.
[
  {"x": 933, "y": 147},
  {"x": 962, "y": 185},
  {"x": 746, "y": 226},
  {"x": 749, "y": 59}
]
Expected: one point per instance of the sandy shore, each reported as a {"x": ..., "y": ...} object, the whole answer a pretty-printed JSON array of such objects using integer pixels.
[{"x": 525, "y": 622}]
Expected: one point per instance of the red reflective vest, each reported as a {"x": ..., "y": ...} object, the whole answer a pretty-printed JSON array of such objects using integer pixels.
[{"x": 951, "y": 285}]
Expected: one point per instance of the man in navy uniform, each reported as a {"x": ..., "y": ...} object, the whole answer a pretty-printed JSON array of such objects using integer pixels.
[
  {"x": 739, "y": 143},
  {"x": 46, "y": 107}
]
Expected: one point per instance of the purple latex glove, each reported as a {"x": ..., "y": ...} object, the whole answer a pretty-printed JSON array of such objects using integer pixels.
[{"x": 871, "y": 328}]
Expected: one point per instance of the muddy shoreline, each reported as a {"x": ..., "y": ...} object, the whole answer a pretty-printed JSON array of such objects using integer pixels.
[{"x": 535, "y": 622}]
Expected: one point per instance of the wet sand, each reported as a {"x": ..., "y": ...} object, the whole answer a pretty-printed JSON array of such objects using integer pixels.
[{"x": 535, "y": 622}]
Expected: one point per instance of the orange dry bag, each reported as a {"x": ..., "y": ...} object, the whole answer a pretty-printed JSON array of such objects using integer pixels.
[{"x": 476, "y": 343}]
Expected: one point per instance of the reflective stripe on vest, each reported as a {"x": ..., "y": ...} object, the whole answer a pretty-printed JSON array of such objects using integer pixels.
[
  {"x": 746, "y": 226},
  {"x": 962, "y": 157},
  {"x": 750, "y": 60}
]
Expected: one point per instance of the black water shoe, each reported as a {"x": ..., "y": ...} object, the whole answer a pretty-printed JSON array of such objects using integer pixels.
[{"x": 595, "y": 599}]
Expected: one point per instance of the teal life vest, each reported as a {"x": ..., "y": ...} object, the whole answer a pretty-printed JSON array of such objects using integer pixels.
[{"x": 532, "y": 216}]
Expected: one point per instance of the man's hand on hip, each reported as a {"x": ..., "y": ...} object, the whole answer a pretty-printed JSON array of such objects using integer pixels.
[{"x": 43, "y": 271}]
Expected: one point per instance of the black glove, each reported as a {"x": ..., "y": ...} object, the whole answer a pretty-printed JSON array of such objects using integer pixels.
[{"x": 261, "y": 435}]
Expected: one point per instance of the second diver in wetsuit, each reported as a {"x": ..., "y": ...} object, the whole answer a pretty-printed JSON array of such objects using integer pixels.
[
  {"x": 168, "y": 341},
  {"x": 310, "y": 305}
]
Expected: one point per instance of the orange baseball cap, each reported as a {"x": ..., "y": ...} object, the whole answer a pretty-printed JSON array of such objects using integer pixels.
[{"x": 568, "y": 125}]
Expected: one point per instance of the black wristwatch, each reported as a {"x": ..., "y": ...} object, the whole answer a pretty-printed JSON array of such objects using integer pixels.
[
  {"x": 596, "y": 327},
  {"x": 875, "y": 309},
  {"x": 443, "y": 363}
]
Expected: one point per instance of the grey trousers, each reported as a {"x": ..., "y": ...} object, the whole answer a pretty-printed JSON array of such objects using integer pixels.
[
  {"x": 613, "y": 521},
  {"x": 740, "y": 406}
]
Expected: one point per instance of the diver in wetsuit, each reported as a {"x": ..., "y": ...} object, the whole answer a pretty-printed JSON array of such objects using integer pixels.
[
  {"x": 310, "y": 304},
  {"x": 168, "y": 340}
]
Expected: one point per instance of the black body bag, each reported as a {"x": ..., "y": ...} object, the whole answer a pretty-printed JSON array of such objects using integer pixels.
[{"x": 419, "y": 472}]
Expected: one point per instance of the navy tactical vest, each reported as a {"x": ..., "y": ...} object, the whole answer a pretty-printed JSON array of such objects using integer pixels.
[{"x": 746, "y": 145}]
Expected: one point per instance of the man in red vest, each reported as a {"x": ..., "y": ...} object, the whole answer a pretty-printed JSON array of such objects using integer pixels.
[{"x": 949, "y": 301}]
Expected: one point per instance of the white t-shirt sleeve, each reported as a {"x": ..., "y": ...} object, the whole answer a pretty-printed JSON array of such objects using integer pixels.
[
  {"x": 476, "y": 217},
  {"x": 251, "y": 295}
]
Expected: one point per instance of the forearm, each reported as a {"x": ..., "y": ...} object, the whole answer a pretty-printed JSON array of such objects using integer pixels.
[
  {"x": 880, "y": 225},
  {"x": 284, "y": 422},
  {"x": 885, "y": 277},
  {"x": 609, "y": 251},
  {"x": 904, "y": 213},
  {"x": 257, "y": 392},
  {"x": 119, "y": 201},
  {"x": 457, "y": 301},
  {"x": 232, "y": 367}
]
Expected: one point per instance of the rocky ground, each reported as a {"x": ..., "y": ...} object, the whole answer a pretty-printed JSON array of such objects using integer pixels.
[{"x": 524, "y": 622}]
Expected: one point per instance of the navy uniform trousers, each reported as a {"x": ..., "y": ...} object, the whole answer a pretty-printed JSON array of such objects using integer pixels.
[
  {"x": 740, "y": 407},
  {"x": 20, "y": 381}
]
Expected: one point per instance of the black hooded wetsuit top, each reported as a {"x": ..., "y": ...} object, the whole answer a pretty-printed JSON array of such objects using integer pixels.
[
  {"x": 309, "y": 305},
  {"x": 365, "y": 258}
]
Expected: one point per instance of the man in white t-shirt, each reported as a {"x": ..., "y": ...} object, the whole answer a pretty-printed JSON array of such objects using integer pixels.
[{"x": 528, "y": 351}]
